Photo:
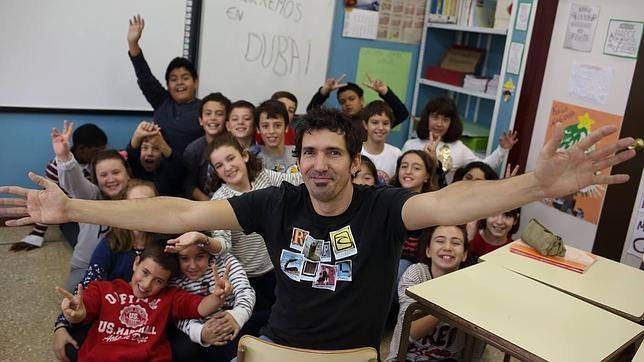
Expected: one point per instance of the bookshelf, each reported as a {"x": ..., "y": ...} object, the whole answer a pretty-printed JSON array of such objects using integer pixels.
[
  {"x": 478, "y": 109},
  {"x": 453, "y": 88},
  {"x": 472, "y": 29}
]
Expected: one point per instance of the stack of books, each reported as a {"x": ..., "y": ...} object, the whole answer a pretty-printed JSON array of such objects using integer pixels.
[
  {"x": 475, "y": 83},
  {"x": 476, "y": 13},
  {"x": 493, "y": 85},
  {"x": 575, "y": 259}
]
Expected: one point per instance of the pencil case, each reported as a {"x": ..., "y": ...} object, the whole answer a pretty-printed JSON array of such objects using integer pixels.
[{"x": 543, "y": 240}]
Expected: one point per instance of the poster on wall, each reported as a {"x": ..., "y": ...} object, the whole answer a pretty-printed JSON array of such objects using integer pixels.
[
  {"x": 578, "y": 122},
  {"x": 401, "y": 20},
  {"x": 623, "y": 38},
  {"x": 581, "y": 27},
  {"x": 637, "y": 239},
  {"x": 390, "y": 66},
  {"x": 360, "y": 19}
]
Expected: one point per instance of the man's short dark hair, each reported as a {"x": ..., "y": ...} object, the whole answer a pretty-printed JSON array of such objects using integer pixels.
[
  {"x": 215, "y": 97},
  {"x": 350, "y": 87},
  {"x": 284, "y": 94},
  {"x": 375, "y": 108},
  {"x": 180, "y": 62},
  {"x": 273, "y": 109},
  {"x": 328, "y": 119},
  {"x": 155, "y": 251},
  {"x": 88, "y": 135},
  {"x": 442, "y": 106}
]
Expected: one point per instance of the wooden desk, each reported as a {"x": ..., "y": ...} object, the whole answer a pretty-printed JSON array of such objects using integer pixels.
[
  {"x": 607, "y": 284},
  {"x": 523, "y": 317}
]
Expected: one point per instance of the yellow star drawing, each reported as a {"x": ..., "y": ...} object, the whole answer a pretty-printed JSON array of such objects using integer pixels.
[{"x": 585, "y": 121}]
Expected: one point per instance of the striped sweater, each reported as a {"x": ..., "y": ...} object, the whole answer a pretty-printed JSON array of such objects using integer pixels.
[
  {"x": 250, "y": 249},
  {"x": 239, "y": 303}
]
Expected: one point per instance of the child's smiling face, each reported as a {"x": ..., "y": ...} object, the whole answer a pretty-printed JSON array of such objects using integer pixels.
[{"x": 193, "y": 262}]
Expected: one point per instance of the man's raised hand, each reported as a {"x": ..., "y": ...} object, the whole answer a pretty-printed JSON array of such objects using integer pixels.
[
  {"x": 563, "y": 172},
  {"x": 48, "y": 206}
]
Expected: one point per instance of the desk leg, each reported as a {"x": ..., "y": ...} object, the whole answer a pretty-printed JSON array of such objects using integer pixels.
[
  {"x": 410, "y": 316},
  {"x": 468, "y": 351}
]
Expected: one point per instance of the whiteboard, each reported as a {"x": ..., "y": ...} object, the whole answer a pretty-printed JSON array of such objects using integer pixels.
[
  {"x": 72, "y": 54},
  {"x": 250, "y": 49}
]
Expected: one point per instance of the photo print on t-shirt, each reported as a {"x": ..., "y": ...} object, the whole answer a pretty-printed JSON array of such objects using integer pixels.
[
  {"x": 291, "y": 264},
  {"x": 326, "y": 277},
  {"x": 344, "y": 270},
  {"x": 326, "y": 252},
  {"x": 312, "y": 249},
  {"x": 343, "y": 243},
  {"x": 297, "y": 238},
  {"x": 309, "y": 270}
]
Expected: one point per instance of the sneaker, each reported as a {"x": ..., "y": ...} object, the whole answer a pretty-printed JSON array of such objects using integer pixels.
[{"x": 33, "y": 240}]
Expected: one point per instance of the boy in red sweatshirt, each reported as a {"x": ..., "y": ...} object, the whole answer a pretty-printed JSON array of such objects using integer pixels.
[{"x": 130, "y": 320}]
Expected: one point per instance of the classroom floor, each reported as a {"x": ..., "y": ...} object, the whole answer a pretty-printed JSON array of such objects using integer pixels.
[{"x": 30, "y": 304}]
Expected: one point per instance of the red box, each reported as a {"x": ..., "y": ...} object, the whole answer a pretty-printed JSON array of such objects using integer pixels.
[{"x": 443, "y": 75}]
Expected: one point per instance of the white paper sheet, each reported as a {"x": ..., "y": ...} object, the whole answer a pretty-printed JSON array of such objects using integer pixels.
[
  {"x": 623, "y": 38},
  {"x": 514, "y": 58},
  {"x": 360, "y": 23},
  {"x": 523, "y": 16},
  {"x": 581, "y": 27},
  {"x": 591, "y": 82}
]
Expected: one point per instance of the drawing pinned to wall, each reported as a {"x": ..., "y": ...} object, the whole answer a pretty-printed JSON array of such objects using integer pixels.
[
  {"x": 523, "y": 17},
  {"x": 401, "y": 20},
  {"x": 514, "y": 58},
  {"x": 508, "y": 90},
  {"x": 623, "y": 38},
  {"x": 578, "y": 122},
  {"x": 360, "y": 19},
  {"x": 581, "y": 27},
  {"x": 591, "y": 82}
]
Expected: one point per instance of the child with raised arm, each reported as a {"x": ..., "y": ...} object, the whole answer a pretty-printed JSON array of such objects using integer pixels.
[
  {"x": 113, "y": 258},
  {"x": 213, "y": 113},
  {"x": 176, "y": 110},
  {"x": 87, "y": 140},
  {"x": 109, "y": 177},
  {"x": 151, "y": 159},
  {"x": 350, "y": 97},
  {"x": 213, "y": 338},
  {"x": 129, "y": 320},
  {"x": 376, "y": 120},
  {"x": 439, "y": 130}
]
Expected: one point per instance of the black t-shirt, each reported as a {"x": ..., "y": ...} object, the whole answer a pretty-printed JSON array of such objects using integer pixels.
[{"x": 334, "y": 274}]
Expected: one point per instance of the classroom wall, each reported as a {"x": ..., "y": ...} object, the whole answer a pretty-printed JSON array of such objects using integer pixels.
[
  {"x": 25, "y": 141},
  {"x": 577, "y": 232}
]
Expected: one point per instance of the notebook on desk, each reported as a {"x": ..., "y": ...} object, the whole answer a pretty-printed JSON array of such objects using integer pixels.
[{"x": 575, "y": 259}]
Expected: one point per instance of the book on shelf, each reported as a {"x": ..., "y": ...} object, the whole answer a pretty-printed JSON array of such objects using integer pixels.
[
  {"x": 475, "y": 83},
  {"x": 443, "y": 11},
  {"x": 493, "y": 85},
  {"x": 502, "y": 14},
  {"x": 575, "y": 259}
]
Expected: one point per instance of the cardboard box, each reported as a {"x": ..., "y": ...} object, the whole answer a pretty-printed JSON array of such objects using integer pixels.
[{"x": 462, "y": 59}]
